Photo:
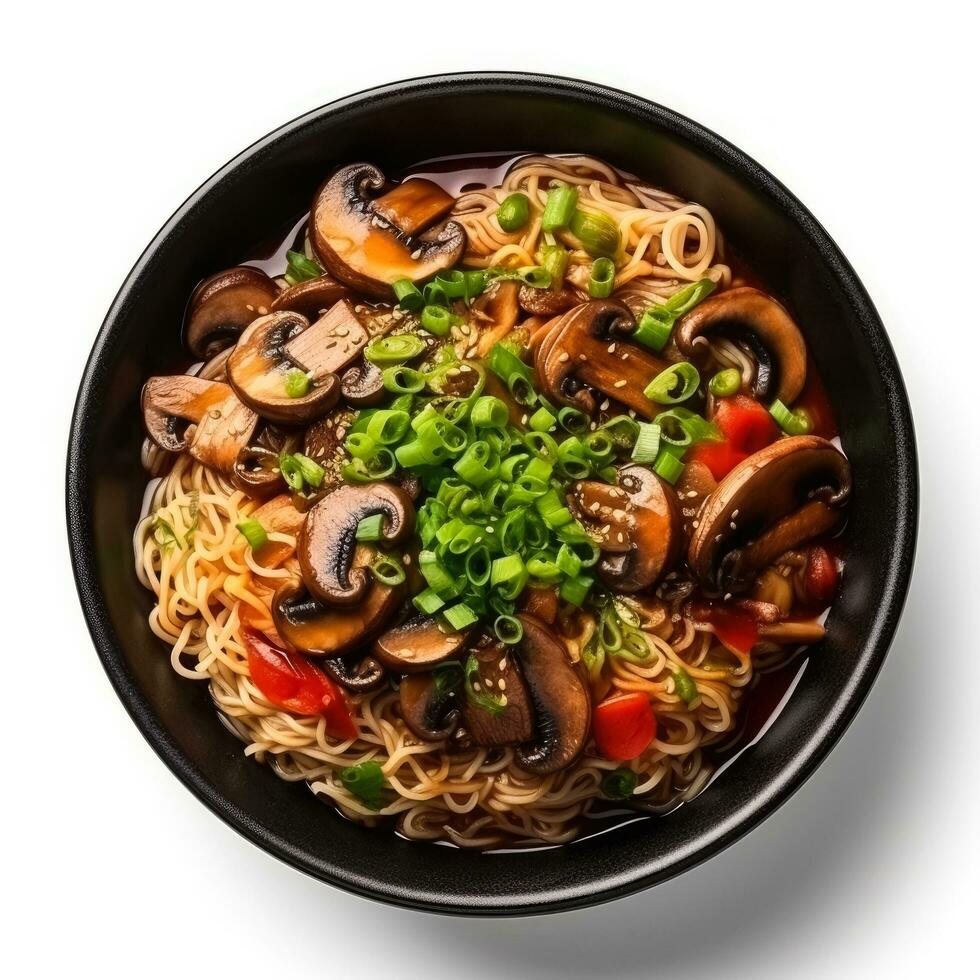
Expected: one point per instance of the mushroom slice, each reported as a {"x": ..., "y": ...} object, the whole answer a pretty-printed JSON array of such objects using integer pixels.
[
  {"x": 369, "y": 243},
  {"x": 311, "y": 298},
  {"x": 327, "y": 542},
  {"x": 779, "y": 497},
  {"x": 773, "y": 336},
  {"x": 224, "y": 425},
  {"x": 282, "y": 342},
  {"x": 498, "y": 677},
  {"x": 429, "y": 703},
  {"x": 494, "y": 314},
  {"x": 256, "y": 469},
  {"x": 548, "y": 302},
  {"x": 803, "y": 631},
  {"x": 362, "y": 384},
  {"x": 224, "y": 305},
  {"x": 310, "y": 627},
  {"x": 323, "y": 442},
  {"x": 417, "y": 644},
  {"x": 365, "y": 675},
  {"x": 588, "y": 347},
  {"x": 562, "y": 705},
  {"x": 638, "y": 526},
  {"x": 280, "y": 515}
]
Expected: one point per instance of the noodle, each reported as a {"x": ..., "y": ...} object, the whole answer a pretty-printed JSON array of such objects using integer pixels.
[{"x": 205, "y": 585}]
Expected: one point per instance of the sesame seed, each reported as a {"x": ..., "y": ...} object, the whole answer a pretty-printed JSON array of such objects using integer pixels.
[
  {"x": 250, "y": 307},
  {"x": 582, "y": 357},
  {"x": 502, "y": 684},
  {"x": 416, "y": 254},
  {"x": 605, "y": 529},
  {"x": 502, "y": 666},
  {"x": 611, "y": 348},
  {"x": 604, "y": 404},
  {"x": 503, "y": 700},
  {"x": 694, "y": 524},
  {"x": 718, "y": 537},
  {"x": 563, "y": 356},
  {"x": 620, "y": 384},
  {"x": 693, "y": 493},
  {"x": 732, "y": 525},
  {"x": 734, "y": 513},
  {"x": 728, "y": 596},
  {"x": 625, "y": 356},
  {"x": 619, "y": 536}
]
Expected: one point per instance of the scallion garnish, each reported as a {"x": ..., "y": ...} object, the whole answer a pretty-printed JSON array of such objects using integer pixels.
[
  {"x": 514, "y": 211},
  {"x": 793, "y": 423},
  {"x": 684, "y": 685},
  {"x": 299, "y": 268},
  {"x": 602, "y": 279},
  {"x": 408, "y": 295},
  {"x": 366, "y": 781},
  {"x": 394, "y": 349},
  {"x": 725, "y": 383},
  {"x": 370, "y": 528},
  {"x": 647, "y": 443},
  {"x": 299, "y": 471},
  {"x": 297, "y": 383},
  {"x": 674, "y": 384},
  {"x": 668, "y": 466},
  {"x": 598, "y": 233},
  {"x": 387, "y": 570},
  {"x": 554, "y": 258},
  {"x": 437, "y": 320},
  {"x": 559, "y": 207},
  {"x": 620, "y": 784},
  {"x": 253, "y": 532}
]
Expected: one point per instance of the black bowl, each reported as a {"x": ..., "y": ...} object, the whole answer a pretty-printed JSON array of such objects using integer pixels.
[{"x": 245, "y": 203}]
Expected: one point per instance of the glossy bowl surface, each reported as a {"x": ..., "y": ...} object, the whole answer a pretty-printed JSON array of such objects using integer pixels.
[{"x": 246, "y": 203}]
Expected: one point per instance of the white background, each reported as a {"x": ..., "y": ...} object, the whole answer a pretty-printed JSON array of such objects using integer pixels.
[{"x": 113, "y": 113}]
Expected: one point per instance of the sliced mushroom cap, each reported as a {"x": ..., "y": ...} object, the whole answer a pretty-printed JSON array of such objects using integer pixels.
[
  {"x": 499, "y": 677},
  {"x": 256, "y": 470},
  {"x": 548, "y": 302},
  {"x": 587, "y": 348},
  {"x": 638, "y": 525},
  {"x": 369, "y": 243},
  {"x": 362, "y": 384},
  {"x": 282, "y": 342},
  {"x": 224, "y": 305},
  {"x": 429, "y": 703},
  {"x": 562, "y": 704},
  {"x": 364, "y": 675},
  {"x": 224, "y": 425},
  {"x": 417, "y": 644},
  {"x": 310, "y": 627},
  {"x": 776, "y": 499},
  {"x": 774, "y": 336},
  {"x": 311, "y": 298},
  {"x": 494, "y": 314},
  {"x": 327, "y": 542}
]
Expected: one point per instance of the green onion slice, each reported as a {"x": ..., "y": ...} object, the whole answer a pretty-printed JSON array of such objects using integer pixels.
[
  {"x": 674, "y": 384},
  {"x": 685, "y": 686},
  {"x": 514, "y": 211},
  {"x": 394, "y": 349},
  {"x": 796, "y": 423},
  {"x": 297, "y": 383},
  {"x": 387, "y": 570},
  {"x": 647, "y": 443},
  {"x": 598, "y": 233},
  {"x": 299, "y": 268},
  {"x": 437, "y": 320},
  {"x": 620, "y": 784},
  {"x": 602, "y": 279},
  {"x": 366, "y": 781},
  {"x": 559, "y": 207},
  {"x": 408, "y": 295},
  {"x": 253, "y": 532},
  {"x": 370, "y": 528}
]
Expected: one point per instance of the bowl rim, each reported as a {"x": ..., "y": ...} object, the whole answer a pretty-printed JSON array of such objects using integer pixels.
[{"x": 806, "y": 758}]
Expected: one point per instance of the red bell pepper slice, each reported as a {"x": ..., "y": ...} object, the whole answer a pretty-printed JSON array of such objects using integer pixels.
[
  {"x": 746, "y": 426},
  {"x": 292, "y": 682},
  {"x": 624, "y": 726}
]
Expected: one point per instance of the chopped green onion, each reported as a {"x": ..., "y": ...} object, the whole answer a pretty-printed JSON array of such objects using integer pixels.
[
  {"x": 514, "y": 373},
  {"x": 685, "y": 686},
  {"x": 573, "y": 421},
  {"x": 478, "y": 465},
  {"x": 575, "y": 590},
  {"x": 387, "y": 570},
  {"x": 572, "y": 459},
  {"x": 402, "y": 380},
  {"x": 542, "y": 421},
  {"x": 508, "y": 576},
  {"x": 489, "y": 411},
  {"x": 474, "y": 283},
  {"x": 300, "y": 268},
  {"x": 435, "y": 574},
  {"x": 599, "y": 446},
  {"x": 680, "y": 427},
  {"x": 297, "y": 383},
  {"x": 542, "y": 567},
  {"x": 598, "y": 233},
  {"x": 408, "y": 295},
  {"x": 603, "y": 278},
  {"x": 796, "y": 423},
  {"x": 437, "y": 320},
  {"x": 460, "y": 616},
  {"x": 428, "y": 602},
  {"x": 559, "y": 207},
  {"x": 554, "y": 258},
  {"x": 394, "y": 349},
  {"x": 514, "y": 211},
  {"x": 366, "y": 781},
  {"x": 379, "y": 466},
  {"x": 360, "y": 445},
  {"x": 654, "y": 328},
  {"x": 620, "y": 784},
  {"x": 370, "y": 528},
  {"x": 725, "y": 383},
  {"x": 478, "y": 566},
  {"x": 668, "y": 466},
  {"x": 542, "y": 444},
  {"x": 569, "y": 562},
  {"x": 684, "y": 300},
  {"x": 387, "y": 426},
  {"x": 452, "y": 283},
  {"x": 508, "y": 629},
  {"x": 535, "y": 276},
  {"x": 674, "y": 384},
  {"x": 298, "y": 469},
  {"x": 647, "y": 443},
  {"x": 622, "y": 430},
  {"x": 253, "y": 532},
  {"x": 492, "y": 703}
]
